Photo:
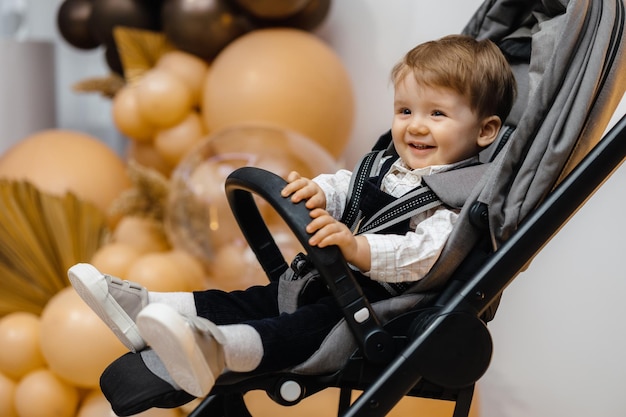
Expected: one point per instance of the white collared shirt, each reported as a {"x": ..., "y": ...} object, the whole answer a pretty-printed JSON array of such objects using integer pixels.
[{"x": 398, "y": 258}]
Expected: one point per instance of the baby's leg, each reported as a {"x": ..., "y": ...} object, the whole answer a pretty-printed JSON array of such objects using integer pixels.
[
  {"x": 194, "y": 350},
  {"x": 117, "y": 302},
  {"x": 136, "y": 382}
]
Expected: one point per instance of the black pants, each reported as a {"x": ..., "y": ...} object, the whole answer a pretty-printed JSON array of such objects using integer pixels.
[{"x": 288, "y": 340}]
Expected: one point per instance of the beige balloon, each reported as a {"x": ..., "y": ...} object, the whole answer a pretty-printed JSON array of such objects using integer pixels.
[
  {"x": 174, "y": 143},
  {"x": 76, "y": 344},
  {"x": 19, "y": 343},
  {"x": 96, "y": 405},
  {"x": 7, "y": 396},
  {"x": 162, "y": 98},
  {"x": 286, "y": 77},
  {"x": 143, "y": 233},
  {"x": 127, "y": 118},
  {"x": 115, "y": 258},
  {"x": 191, "y": 69},
  {"x": 58, "y": 161},
  {"x": 42, "y": 393},
  {"x": 145, "y": 154},
  {"x": 158, "y": 272}
]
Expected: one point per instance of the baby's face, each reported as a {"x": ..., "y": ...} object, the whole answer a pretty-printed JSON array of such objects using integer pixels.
[{"x": 433, "y": 125}]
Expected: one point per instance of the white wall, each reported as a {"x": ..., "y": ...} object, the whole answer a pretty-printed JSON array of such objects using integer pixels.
[
  {"x": 88, "y": 113},
  {"x": 558, "y": 335}
]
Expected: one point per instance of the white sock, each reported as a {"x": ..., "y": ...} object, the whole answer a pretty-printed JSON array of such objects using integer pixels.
[
  {"x": 182, "y": 302},
  {"x": 243, "y": 349}
]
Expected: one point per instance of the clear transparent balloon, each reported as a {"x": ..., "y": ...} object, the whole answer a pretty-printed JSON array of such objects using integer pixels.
[{"x": 199, "y": 219}]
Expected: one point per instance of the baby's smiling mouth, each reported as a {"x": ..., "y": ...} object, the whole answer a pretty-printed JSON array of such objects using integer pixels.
[{"x": 420, "y": 146}]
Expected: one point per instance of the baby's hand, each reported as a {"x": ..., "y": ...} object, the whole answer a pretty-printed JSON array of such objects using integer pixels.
[
  {"x": 327, "y": 231},
  {"x": 301, "y": 188}
]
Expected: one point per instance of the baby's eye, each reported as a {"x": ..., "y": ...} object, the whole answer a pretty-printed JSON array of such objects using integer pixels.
[
  {"x": 405, "y": 111},
  {"x": 437, "y": 113}
]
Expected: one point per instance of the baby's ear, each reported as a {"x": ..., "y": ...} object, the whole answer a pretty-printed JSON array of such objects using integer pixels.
[{"x": 489, "y": 131}]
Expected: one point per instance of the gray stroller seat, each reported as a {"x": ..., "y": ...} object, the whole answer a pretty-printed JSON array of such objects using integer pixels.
[{"x": 433, "y": 341}]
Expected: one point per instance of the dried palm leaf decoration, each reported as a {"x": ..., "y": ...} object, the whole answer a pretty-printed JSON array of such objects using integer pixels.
[
  {"x": 139, "y": 50},
  {"x": 41, "y": 236}
]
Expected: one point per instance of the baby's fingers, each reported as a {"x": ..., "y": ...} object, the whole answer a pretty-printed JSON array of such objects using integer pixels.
[
  {"x": 294, "y": 183},
  {"x": 320, "y": 219}
]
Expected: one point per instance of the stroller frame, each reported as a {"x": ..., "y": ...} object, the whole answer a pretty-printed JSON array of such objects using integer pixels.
[{"x": 435, "y": 351}]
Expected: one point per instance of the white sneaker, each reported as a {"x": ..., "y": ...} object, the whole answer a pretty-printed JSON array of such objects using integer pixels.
[
  {"x": 115, "y": 301},
  {"x": 189, "y": 347}
]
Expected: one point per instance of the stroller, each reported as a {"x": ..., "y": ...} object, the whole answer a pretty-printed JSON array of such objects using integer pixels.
[{"x": 432, "y": 341}]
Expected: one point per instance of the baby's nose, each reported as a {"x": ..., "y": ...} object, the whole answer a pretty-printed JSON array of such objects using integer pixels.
[{"x": 417, "y": 127}]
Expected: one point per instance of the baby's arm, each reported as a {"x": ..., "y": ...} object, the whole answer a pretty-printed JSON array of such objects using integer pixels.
[{"x": 301, "y": 188}]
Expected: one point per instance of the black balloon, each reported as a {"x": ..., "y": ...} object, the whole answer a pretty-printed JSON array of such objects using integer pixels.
[
  {"x": 139, "y": 14},
  {"x": 272, "y": 9},
  {"x": 73, "y": 23},
  {"x": 113, "y": 60},
  {"x": 308, "y": 18},
  {"x": 203, "y": 27}
]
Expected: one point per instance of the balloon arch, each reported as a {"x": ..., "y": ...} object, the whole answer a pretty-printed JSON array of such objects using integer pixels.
[{"x": 200, "y": 27}]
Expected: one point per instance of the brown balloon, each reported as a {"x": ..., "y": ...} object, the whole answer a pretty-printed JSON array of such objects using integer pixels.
[
  {"x": 107, "y": 14},
  {"x": 73, "y": 23},
  {"x": 203, "y": 27},
  {"x": 309, "y": 18},
  {"x": 272, "y": 9}
]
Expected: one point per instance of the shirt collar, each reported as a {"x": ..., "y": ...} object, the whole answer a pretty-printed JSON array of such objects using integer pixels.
[{"x": 400, "y": 167}]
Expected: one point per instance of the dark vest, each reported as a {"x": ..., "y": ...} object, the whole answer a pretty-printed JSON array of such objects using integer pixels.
[{"x": 372, "y": 201}]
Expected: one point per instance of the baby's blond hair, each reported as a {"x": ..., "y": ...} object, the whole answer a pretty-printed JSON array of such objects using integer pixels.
[{"x": 475, "y": 69}]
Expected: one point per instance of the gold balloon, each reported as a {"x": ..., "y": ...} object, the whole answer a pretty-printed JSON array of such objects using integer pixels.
[
  {"x": 285, "y": 77},
  {"x": 77, "y": 345}
]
